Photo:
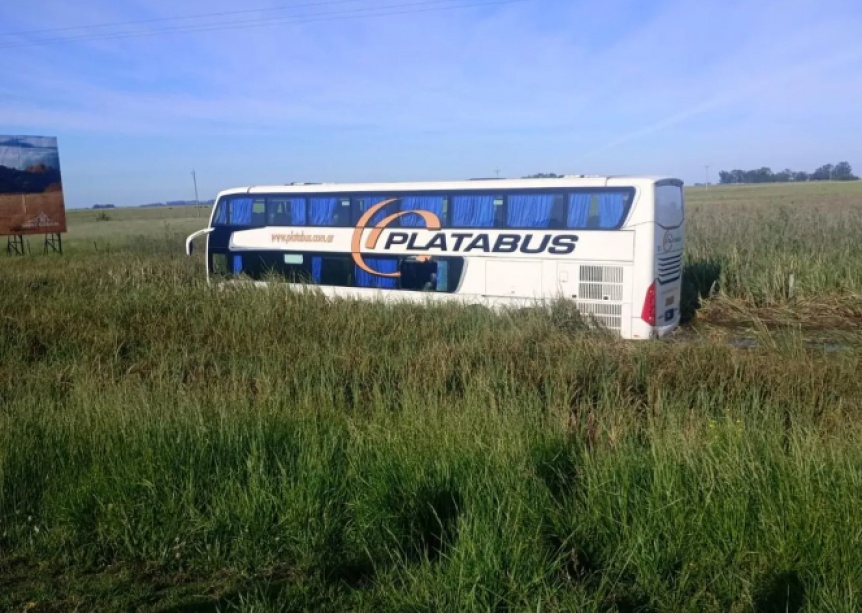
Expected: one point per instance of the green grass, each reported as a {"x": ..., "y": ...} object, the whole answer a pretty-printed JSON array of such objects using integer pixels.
[
  {"x": 753, "y": 238},
  {"x": 165, "y": 445}
]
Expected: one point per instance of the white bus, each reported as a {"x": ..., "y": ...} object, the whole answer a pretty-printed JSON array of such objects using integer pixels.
[{"x": 613, "y": 245}]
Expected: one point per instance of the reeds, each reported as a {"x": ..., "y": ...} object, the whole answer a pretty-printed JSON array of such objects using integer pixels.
[{"x": 162, "y": 441}]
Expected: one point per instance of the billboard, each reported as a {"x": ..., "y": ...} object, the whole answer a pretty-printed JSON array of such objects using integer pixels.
[{"x": 31, "y": 190}]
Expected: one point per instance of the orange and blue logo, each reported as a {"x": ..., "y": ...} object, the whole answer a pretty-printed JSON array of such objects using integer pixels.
[
  {"x": 434, "y": 240},
  {"x": 432, "y": 222}
]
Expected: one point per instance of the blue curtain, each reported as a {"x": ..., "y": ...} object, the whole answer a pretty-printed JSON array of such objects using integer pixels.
[
  {"x": 240, "y": 211},
  {"x": 532, "y": 211},
  {"x": 237, "y": 264},
  {"x": 473, "y": 211},
  {"x": 611, "y": 208},
  {"x": 321, "y": 211},
  {"x": 370, "y": 201},
  {"x": 421, "y": 203},
  {"x": 297, "y": 211},
  {"x": 221, "y": 213},
  {"x": 579, "y": 210},
  {"x": 364, "y": 279},
  {"x": 316, "y": 269}
]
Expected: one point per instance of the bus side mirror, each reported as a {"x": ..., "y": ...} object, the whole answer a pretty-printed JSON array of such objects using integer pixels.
[{"x": 192, "y": 237}]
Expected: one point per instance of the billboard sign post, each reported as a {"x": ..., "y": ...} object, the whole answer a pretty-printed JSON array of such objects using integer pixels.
[{"x": 31, "y": 192}]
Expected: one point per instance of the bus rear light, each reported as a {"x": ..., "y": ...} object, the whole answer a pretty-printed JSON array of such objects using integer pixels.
[{"x": 648, "y": 312}]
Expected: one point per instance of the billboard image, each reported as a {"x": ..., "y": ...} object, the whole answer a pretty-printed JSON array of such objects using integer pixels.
[{"x": 31, "y": 190}]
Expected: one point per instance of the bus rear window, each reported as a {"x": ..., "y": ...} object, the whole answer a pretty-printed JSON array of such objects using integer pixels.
[{"x": 668, "y": 206}]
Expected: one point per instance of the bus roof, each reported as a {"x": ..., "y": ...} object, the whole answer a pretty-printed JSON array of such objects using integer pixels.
[{"x": 468, "y": 185}]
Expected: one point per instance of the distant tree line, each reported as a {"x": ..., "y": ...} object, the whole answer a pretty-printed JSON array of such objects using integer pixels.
[
  {"x": 104, "y": 206},
  {"x": 179, "y": 203},
  {"x": 839, "y": 172}
]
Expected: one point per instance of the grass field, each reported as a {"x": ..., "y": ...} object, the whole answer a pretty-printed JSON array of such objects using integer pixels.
[{"x": 168, "y": 446}]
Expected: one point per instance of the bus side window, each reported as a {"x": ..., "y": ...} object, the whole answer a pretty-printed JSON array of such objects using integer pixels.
[
  {"x": 418, "y": 276},
  {"x": 286, "y": 211},
  {"x": 341, "y": 213},
  {"x": 258, "y": 212},
  {"x": 442, "y": 276},
  {"x": 499, "y": 216},
  {"x": 593, "y": 215},
  {"x": 221, "y": 213},
  {"x": 558, "y": 213},
  {"x": 362, "y": 204},
  {"x": 335, "y": 270},
  {"x": 278, "y": 213}
]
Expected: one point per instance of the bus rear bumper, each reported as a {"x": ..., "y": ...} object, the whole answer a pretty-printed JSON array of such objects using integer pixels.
[{"x": 665, "y": 330}]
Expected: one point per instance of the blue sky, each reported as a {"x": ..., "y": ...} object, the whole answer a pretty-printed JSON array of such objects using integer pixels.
[{"x": 620, "y": 87}]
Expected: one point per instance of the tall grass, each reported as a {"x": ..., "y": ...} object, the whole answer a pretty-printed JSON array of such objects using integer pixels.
[
  {"x": 164, "y": 442},
  {"x": 752, "y": 239}
]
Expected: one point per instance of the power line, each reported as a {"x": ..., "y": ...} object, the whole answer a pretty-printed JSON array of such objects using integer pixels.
[
  {"x": 180, "y": 18},
  {"x": 251, "y": 23},
  {"x": 328, "y": 16}
]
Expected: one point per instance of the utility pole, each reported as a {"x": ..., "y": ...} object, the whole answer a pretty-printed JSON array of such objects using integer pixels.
[
  {"x": 197, "y": 200},
  {"x": 497, "y": 170},
  {"x": 706, "y": 185}
]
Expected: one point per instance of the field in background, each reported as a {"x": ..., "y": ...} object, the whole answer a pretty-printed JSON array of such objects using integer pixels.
[
  {"x": 744, "y": 244},
  {"x": 131, "y": 228},
  {"x": 754, "y": 239},
  {"x": 165, "y": 445}
]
